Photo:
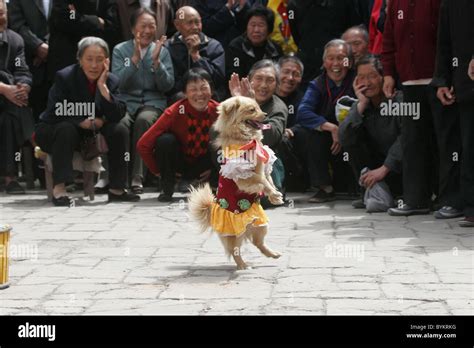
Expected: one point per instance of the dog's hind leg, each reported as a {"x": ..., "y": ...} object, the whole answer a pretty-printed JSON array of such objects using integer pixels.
[
  {"x": 234, "y": 244},
  {"x": 258, "y": 236}
]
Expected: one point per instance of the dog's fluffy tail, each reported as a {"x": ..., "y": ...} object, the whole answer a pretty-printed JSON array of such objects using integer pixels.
[{"x": 200, "y": 203}]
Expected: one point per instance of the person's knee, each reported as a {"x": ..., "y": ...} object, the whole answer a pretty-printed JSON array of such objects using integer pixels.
[
  {"x": 66, "y": 133},
  {"x": 167, "y": 142},
  {"x": 120, "y": 131},
  {"x": 145, "y": 119}
]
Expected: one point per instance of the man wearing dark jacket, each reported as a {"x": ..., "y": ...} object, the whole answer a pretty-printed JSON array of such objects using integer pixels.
[
  {"x": 190, "y": 48},
  {"x": 316, "y": 22},
  {"x": 222, "y": 20},
  {"x": 409, "y": 51},
  {"x": 73, "y": 19},
  {"x": 16, "y": 121},
  {"x": 372, "y": 139},
  {"x": 454, "y": 77},
  {"x": 30, "y": 20}
]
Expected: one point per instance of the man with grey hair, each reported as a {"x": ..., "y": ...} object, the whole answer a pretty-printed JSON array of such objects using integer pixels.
[
  {"x": 262, "y": 84},
  {"x": 358, "y": 38},
  {"x": 16, "y": 120},
  {"x": 317, "y": 114}
]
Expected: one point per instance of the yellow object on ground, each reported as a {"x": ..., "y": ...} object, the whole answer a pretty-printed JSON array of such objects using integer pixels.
[{"x": 4, "y": 241}]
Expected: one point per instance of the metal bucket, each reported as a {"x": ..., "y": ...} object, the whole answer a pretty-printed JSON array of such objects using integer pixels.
[{"x": 4, "y": 241}]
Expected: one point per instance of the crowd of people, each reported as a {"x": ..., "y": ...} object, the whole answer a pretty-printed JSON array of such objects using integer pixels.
[{"x": 358, "y": 94}]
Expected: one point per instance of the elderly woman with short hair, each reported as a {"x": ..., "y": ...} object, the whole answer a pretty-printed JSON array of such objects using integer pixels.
[
  {"x": 59, "y": 133},
  {"x": 146, "y": 73}
]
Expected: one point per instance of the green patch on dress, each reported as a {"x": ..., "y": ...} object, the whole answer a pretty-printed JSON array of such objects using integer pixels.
[
  {"x": 244, "y": 204},
  {"x": 223, "y": 203}
]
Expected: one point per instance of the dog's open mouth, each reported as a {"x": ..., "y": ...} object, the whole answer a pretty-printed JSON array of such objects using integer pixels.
[{"x": 257, "y": 125}]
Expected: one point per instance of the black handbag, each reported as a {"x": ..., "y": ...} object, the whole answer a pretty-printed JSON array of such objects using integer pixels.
[{"x": 93, "y": 146}]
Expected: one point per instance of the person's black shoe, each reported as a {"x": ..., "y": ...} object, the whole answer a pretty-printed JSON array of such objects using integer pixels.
[
  {"x": 137, "y": 189},
  {"x": 14, "y": 188},
  {"x": 448, "y": 212},
  {"x": 322, "y": 196},
  {"x": 165, "y": 197},
  {"x": 63, "y": 201},
  {"x": 124, "y": 197},
  {"x": 358, "y": 204},
  {"x": 406, "y": 210}
]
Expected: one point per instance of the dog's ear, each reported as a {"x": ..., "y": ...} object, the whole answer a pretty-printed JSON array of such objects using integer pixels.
[{"x": 229, "y": 107}]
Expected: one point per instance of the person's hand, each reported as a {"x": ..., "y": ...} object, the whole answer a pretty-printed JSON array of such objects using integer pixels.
[
  {"x": 336, "y": 145},
  {"x": 42, "y": 51},
  {"x": 230, "y": 4},
  {"x": 98, "y": 123},
  {"x": 359, "y": 90},
  {"x": 247, "y": 89},
  {"x": 205, "y": 176},
  {"x": 234, "y": 85},
  {"x": 155, "y": 55},
  {"x": 289, "y": 133},
  {"x": 14, "y": 94},
  {"x": 389, "y": 86},
  {"x": 446, "y": 95},
  {"x": 87, "y": 123},
  {"x": 136, "y": 49},
  {"x": 101, "y": 23},
  {"x": 239, "y": 87},
  {"x": 23, "y": 90},
  {"x": 102, "y": 81},
  {"x": 192, "y": 43},
  {"x": 242, "y": 3},
  {"x": 470, "y": 69},
  {"x": 372, "y": 177}
]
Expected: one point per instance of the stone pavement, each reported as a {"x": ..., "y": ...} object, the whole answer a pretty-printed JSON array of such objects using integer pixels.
[{"x": 148, "y": 258}]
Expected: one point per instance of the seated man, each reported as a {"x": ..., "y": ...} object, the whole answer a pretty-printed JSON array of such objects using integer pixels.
[
  {"x": 16, "y": 120},
  {"x": 178, "y": 141},
  {"x": 190, "y": 48},
  {"x": 317, "y": 114},
  {"x": 262, "y": 84},
  {"x": 371, "y": 139},
  {"x": 292, "y": 148}
]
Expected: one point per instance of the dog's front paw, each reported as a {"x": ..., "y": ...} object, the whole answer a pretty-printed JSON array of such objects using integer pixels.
[{"x": 276, "y": 198}]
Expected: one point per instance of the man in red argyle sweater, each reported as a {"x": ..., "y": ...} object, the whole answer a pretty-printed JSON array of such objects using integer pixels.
[{"x": 178, "y": 141}]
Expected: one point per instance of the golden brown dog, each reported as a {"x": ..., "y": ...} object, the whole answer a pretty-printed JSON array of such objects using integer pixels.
[{"x": 236, "y": 214}]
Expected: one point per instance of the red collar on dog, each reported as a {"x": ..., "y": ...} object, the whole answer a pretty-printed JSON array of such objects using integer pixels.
[{"x": 259, "y": 150}]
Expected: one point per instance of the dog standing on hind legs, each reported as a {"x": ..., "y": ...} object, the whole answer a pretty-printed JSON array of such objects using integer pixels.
[{"x": 235, "y": 213}]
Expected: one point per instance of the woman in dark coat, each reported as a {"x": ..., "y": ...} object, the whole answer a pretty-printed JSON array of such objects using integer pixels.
[{"x": 83, "y": 97}]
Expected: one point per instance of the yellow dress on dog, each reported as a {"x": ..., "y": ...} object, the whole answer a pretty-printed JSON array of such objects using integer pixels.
[{"x": 233, "y": 210}]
